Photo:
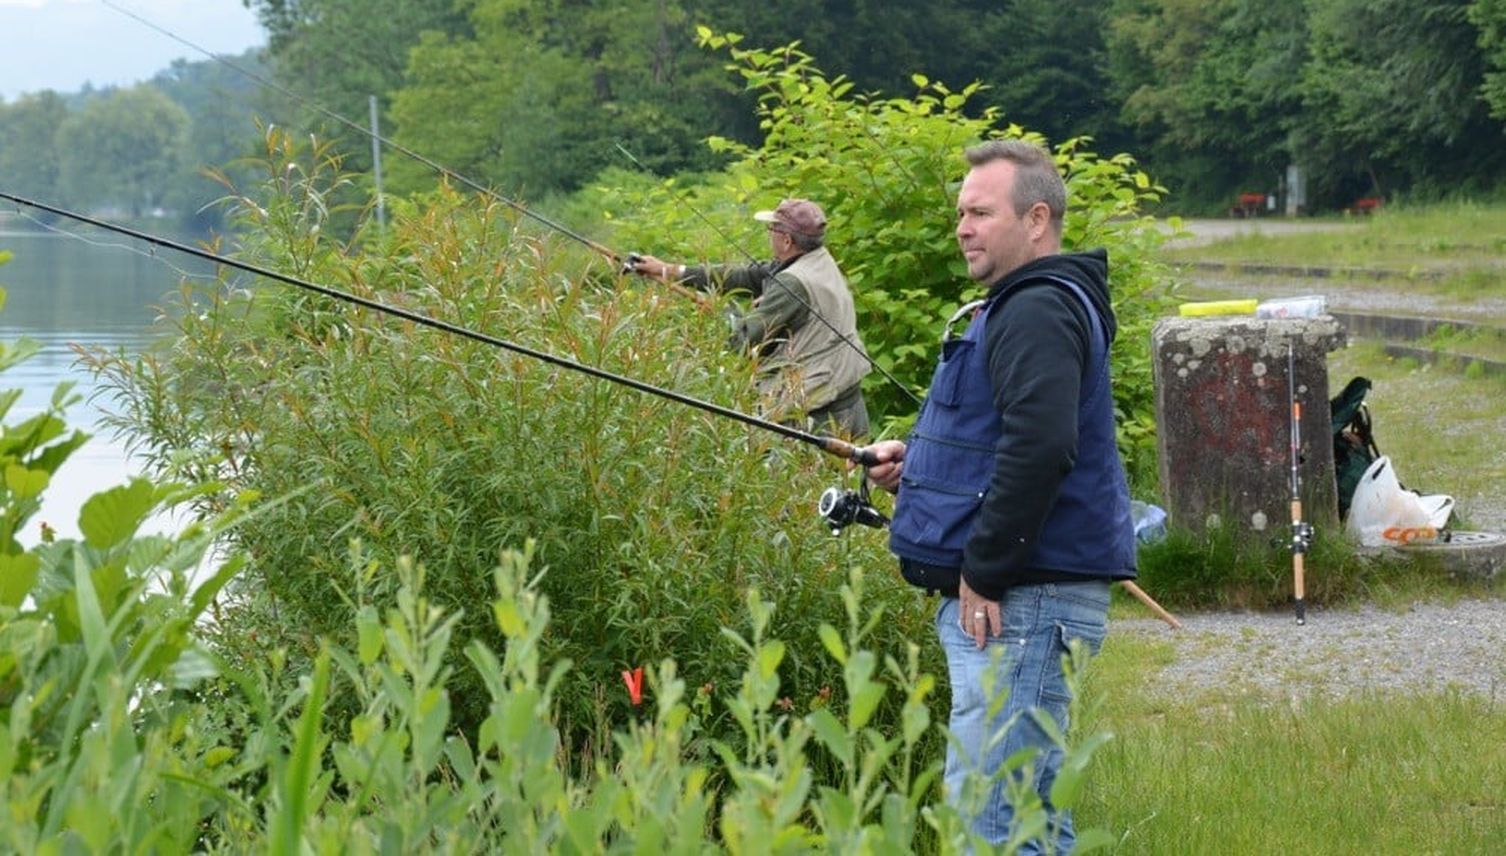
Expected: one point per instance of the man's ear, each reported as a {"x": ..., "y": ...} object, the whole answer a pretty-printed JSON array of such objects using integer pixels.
[{"x": 1038, "y": 220}]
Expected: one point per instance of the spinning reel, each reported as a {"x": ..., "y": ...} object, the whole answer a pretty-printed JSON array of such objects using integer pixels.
[{"x": 842, "y": 508}]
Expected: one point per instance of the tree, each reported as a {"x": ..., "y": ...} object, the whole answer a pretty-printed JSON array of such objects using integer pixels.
[
  {"x": 1389, "y": 98},
  {"x": 336, "y": 54},
  {"x": 1489, "y": 17},
  {"x": 539, "y": 97},
  {"x": 1213, "y": 86},
  {"x": 221, "y": 103},
  {"x": 124, "y": 148},
  {"x": 29, "y": 160}
]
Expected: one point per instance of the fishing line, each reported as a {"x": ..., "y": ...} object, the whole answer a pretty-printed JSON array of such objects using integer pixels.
[
  {"x": 830, "y": 445},
  {"x": 604, "y": 250},
  {"x": 113, "y": 245},
  {"x": 609, "y": 253}
]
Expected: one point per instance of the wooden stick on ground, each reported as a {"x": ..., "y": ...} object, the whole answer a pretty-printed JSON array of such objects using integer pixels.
[{"x": 1150, "y": 602}]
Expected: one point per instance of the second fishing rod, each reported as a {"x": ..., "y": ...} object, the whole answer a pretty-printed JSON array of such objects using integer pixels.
[
  {"x": 831, "y": 445},
  {"x": 625, "y": 261}
]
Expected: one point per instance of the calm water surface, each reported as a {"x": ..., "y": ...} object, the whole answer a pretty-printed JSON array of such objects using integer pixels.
[{"x": 62, "y": 291}]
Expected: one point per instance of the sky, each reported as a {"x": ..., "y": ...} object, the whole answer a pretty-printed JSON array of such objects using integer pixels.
[{"x": 62, "y": 44}]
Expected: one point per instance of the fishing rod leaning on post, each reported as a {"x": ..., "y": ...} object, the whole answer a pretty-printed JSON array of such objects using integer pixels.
[
  {"x": 1302, "y": 531},
  {"x": 831, "y": 445}
]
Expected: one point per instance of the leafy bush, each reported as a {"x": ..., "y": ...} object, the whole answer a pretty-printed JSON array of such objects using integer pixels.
[
  {"x": 127, "y": 732},
  {"x": 887, "y": 170},
  {"x": 652, "y": 518}
]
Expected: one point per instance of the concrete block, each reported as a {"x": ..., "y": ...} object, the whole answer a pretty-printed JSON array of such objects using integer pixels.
[{"x": 1223, "y": 411}]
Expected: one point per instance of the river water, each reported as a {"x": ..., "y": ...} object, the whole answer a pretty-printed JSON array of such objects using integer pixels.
[{"x": 93, "y": 290}]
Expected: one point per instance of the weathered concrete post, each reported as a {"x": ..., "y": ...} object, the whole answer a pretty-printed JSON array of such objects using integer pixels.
[{"x": 1223, "y": 407}]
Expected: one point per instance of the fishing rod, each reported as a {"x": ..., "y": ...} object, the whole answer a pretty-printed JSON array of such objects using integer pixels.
[
  {"x": 627, "y": 262},
  {"x": 634, "y": 258},
  {"x": 831, "y": 445},
  {"x": 1302, "y": 532}
]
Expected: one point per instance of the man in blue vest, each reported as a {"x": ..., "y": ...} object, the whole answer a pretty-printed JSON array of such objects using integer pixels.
[{"x": 1011, "y": 496}]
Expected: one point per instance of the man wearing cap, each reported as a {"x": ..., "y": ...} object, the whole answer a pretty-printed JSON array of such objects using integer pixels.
[{"x": 802, "y": 321}]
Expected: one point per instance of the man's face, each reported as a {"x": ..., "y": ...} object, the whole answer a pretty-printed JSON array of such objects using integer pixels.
[{"x": 994, "y": 240}]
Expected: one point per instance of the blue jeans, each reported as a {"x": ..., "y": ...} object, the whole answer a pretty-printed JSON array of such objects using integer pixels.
[{"x": 1038, "y": 622}]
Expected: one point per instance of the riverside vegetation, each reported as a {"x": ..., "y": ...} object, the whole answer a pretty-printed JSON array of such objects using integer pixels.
[
  {"x": 367, "y": 697},
  {"x": 351, "y": 690},
  {"x": 132, "y": 726}
]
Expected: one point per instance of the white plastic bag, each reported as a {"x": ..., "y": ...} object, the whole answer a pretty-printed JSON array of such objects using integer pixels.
[{"x": 1382, "y": 514}]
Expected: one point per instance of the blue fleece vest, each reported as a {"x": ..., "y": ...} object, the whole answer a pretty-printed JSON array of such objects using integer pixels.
[{"x": 949, "y": 460}]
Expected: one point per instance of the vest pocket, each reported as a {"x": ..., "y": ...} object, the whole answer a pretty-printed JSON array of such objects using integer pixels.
[
  {"x": 946, "y": 384},
  {"x": 939, "y": 516}
]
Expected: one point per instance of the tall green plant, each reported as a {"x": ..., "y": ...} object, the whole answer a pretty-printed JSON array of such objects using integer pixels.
[
  {"x": 97, "y": 641},
  {"x": 652, "y": 518}
]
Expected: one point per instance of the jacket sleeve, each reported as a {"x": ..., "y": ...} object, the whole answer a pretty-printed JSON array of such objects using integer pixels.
[
  {"x": 1037, "y": 345},
  {"x": 748, "y": 279}
]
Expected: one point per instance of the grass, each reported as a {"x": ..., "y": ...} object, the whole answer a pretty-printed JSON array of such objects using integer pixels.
[
  {"x": 1489, "y": 343},
  {"x": 1211, "y": 773},
  {"x": 1229, "y": 768},
  {"x": 1454, "y": 236}
]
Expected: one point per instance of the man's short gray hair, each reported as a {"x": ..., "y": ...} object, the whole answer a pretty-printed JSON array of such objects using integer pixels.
[
  {"x": 1035, "y": 177},
  {"x": 805, "y": 243}
]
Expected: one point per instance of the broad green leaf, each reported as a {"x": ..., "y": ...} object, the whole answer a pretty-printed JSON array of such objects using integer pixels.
[
  {"x": 864, "y": 703},
  {"x": 833, "y": 643},
  {"x": 25, "y": 483},
  {"x": 770, "y": 655},
  {"x": 111, "y": 517},
  {"x": 18, "y": 572},
  {"x": 369, "y": 633},
  {"x": 54, "y": 455},
  {"x": 193, "y": 666},
  {"x": 830, "y": 732}
]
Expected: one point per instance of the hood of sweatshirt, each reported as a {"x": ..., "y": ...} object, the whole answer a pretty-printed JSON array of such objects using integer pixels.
[{"x": 1090, "y": 270}]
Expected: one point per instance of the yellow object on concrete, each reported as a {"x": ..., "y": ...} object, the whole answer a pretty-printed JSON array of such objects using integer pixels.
[{"x": 1219, "y": 307}]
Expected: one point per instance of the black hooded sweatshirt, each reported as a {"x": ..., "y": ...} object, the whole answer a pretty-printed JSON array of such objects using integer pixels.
[{"x": 1037, "y": 343}]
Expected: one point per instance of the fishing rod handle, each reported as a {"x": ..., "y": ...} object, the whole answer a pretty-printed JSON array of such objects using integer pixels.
[{"x": 843, "y": 449}]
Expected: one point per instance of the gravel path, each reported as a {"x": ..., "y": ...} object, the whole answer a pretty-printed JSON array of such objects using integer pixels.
[
  {"x": 1201, "y": 232},
  {"x": 1428, "y": 647}
]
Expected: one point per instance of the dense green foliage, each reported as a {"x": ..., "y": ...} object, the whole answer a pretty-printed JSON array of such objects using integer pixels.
[
  {"x": 143, "y": 717},
  {"x": 1370, "y": 99},
  {"x": 432, "y": 445},
  {"x": 1490, "y": 17}
]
